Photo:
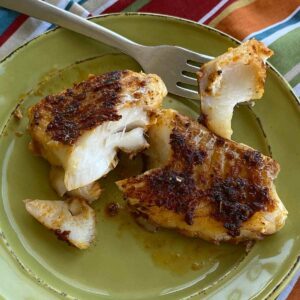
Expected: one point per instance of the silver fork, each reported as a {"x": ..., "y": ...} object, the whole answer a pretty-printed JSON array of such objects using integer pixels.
[{"x": 175, "y": 65}]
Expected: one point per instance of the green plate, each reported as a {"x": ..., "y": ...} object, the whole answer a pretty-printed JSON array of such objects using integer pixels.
[{"x": 126, "y": 261}]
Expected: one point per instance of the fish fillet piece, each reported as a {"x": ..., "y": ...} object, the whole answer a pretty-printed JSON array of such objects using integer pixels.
[
  {"x": 236, "y": 76},
  {"x": 72, "y": 220},
  {"x": 90, "y": 192},
  {"x": 82, "y": 128},
  {"x": 203, "y": 185}
]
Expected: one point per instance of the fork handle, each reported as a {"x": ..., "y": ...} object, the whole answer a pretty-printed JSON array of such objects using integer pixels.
[{"x": 47, "y": 12}]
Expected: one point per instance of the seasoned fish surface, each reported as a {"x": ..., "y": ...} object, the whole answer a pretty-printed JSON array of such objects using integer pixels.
[
  {"x": 82, "y": 128},
  {"x": 236, "y": 76},
  {"x": 205, "y": 186}
]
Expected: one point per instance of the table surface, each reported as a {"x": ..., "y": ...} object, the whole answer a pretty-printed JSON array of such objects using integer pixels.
[
  {"x": 295, "y": 294},
  {"x": 237, "y": 18}
]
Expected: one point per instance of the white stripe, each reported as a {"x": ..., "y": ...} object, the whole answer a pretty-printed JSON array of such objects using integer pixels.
[
  {"x": 297, "y": 89},
  {"x": 213, "y": 11},
  {"x": 278, "y": 34},
  {"x": 29, "y": 29},
  {"x": 269, "y": 27},
  {"x": 59, "y": 3},
  {"x": 292, "y": 73},
  {"x": 79, "y": 10},
  {"x": 96, "y": 7},
  {"x": 103, "y": 7}
]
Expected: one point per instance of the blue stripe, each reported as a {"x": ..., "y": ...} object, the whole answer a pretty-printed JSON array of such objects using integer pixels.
[
  {"x": 295, "y": 19},
  {"x": 69, "y": 5},
  {"x": 51, "y": 27},
  {"x": 81, "y": 2},
  {"x": 7, "y": 17}
]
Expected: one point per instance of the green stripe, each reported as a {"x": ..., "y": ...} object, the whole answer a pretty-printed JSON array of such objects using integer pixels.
[
  {"x": 286, "y": 49},
  {"x": 136, "y": 5},
  {"x": 295, "y": 80}
]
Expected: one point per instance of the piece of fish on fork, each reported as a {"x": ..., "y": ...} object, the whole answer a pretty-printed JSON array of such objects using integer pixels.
[{"x": 237, "y": 76}]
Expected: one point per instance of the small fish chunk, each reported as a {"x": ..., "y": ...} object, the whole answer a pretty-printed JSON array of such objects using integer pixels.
[{"x": 72, "y": 220}]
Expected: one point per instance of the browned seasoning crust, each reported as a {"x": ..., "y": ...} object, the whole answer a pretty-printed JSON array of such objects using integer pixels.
[
  {"x": 85, "y": 106},
  {"x": 231, "y": 181},
  {"x": 63, "y": 118}
]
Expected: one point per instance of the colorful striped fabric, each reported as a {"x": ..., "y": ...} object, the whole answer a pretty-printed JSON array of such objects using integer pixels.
[{"x": 275, "y": 22}]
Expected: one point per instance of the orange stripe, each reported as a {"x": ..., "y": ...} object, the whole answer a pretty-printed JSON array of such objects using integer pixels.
[
  {"x": 256, "y": 16},
  {"x": 228, "y": 10}
]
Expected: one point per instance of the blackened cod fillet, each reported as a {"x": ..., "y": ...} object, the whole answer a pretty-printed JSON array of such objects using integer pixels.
[
  {"x": 204, "y": 185},
  {"x": 82, "y": 128}
]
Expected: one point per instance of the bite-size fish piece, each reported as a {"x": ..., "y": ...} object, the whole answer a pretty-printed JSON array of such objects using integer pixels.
[
  {"x": 90, "y": 192},
  {"x": 204, "y": 185},
  {"x": 82, "y": 128},
  {"x": 71, "y": 220},
  {"x": 236, "y": 76}
]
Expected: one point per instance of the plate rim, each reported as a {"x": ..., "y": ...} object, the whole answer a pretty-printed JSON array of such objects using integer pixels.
[{"x": 274, "y": 292}]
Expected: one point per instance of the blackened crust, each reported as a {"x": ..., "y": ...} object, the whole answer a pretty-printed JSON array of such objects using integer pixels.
[
  {"x": 232, "y": 180},
  {"x": 85, "y": 106}
]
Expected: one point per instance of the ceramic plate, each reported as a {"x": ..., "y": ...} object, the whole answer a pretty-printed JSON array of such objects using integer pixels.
[{"x": 127, "y": 262}]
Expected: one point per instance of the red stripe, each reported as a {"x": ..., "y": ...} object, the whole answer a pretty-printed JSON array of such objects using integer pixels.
[
  {"x": 188, "y": 9},
  {"x": 118, "y": 6},
  {"x": 219, "y": 11},
  {"x": 12, "y": 28}
]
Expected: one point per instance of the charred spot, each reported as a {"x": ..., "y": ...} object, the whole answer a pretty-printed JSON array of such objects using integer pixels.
[
  {"x": 63, "y": 235},
  {"x": 182, "y": 151},
  {"x": 188, "y": 218},
  {"x": 69, "y": 92},
  {"x": 137, "y": 95},
  {"x": 236, "y": 200},
  {"x": 142, "y": 83},
  {"x": 112, "y": 209},
  {"x": 36, "y": 117},
  {"x": 208, "y": 90},
  {"x": 220, "y": 142},
  {"x": 187, "y": 125},
  {"x": 253, "y": 158},
  {"x": 80, "y": 97},
  {"x": 63, "y": 130},
  {"x": 202, "y": 119},
  {"x": 219, "y": 72},
  {"x": 229, "y": 155},
  {"x": 84, "y": 107}
]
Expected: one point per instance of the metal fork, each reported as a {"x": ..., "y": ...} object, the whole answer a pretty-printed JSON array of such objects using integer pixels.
[{"x": 173, "y": 64}]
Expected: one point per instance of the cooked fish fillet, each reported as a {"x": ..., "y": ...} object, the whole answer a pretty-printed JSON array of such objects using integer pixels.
[
  {"x": 236, "y": 76},
  {"x": 82, "y": 128},
  {"x": 72, "y": 220},
  {"x": 90, "y": 192},
  {"x": 205, "y": 186}
]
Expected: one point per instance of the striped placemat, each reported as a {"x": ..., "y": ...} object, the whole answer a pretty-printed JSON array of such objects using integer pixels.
[{"x": 275, "y": 22}]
